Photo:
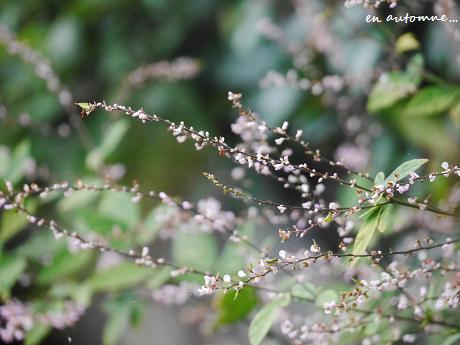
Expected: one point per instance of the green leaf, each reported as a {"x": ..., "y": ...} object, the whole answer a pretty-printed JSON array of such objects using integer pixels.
[
  {"x": 454, "y": 114},
  {"x": 232, "y": 307},
  {"x": 18, "y": 162},
  {"x": 39, "y": 244},
  {"x": 263, "y": 320},
  {"x": 453, "y": 339},
  {"x": 92, "y": 220},
  {"x": 37, "y": 334},
  {"x": 13, "y": 221},
  {"x": 329, "y": 218},
  {"x": 431, "y": 100},
  {"x": 372, "y": 327},
  {"x": 115, "y": 327},
  {"x": 396, "y": 86},
  {"x": 197, "y": 250},
  {"x": 230, "y": 260},
  {"x": 10, "y": 270},
  {"x": 379, "y": 178},
  {"x": 119, "y": 277},
  {"x": 75, "y": 290},
  {"x": 385, "y": 218},
  {"x": 137, "y": 312},
  {"x": 120, "y": 208},
  {"x": 429, "y": 134},
  {"x": 76, "y": 200},
  {"x": 4, "y": 160},
  {"x": 119, "y": 314},
  {"x": 160, "y": 276},
  {"x": 414, "y": 69},
  {"x": 304, "y": 290},
  {"x": 64, "y": 264},
  {"x": 152, "y": 224},
  {"x": 84, "y": 106},
  {"x": 111, "y": 138},
  {"x": 366, "y": 231},
  {"x": 388, "y": 90},
  {"x": 82, "y": 293},
  {"x": 407, "y": 42},
  {"x": 369, "y": 212},
  {"x": 326, "y": 296},
  {"x": 404, "y": 170}
]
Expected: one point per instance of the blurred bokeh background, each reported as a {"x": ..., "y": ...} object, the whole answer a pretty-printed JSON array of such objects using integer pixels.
[{"x": 278, "y": 54}]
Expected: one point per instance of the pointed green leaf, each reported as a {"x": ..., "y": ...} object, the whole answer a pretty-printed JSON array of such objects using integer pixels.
[
  {"x": 197, "y": 250},
  {"x": 329, "y": 218},
  {"x": 263, "y": 320},
  {"x": 231, "y": 309},
  {"x": 379, "y": 178},
  {"x": 385, "y": 218},
  {"x": 10, "y": 270},
  {"x": 405, "y": 169},
  {"x": 407, "y": 42},
  {"x": 367, "y": 231},
  {"x": 372, "y": 327},
  {"x": 431, "y": 100},
  {"x": 160, "y": 276},
  {"x": 388, "y": 90},
  {"x": 305, "y": 290},
  {"x": 452, "y": 340},
  {"x": 454, "y": 113},
  {"x": 137, "y": 312},
  {"x": 5, "y": 157},
  {"x": 119, "y": 314},
  {"x": 396, "y": 86},
  {"x": 84, "y": 106},
  {"x": 326, "y": 296},
  {"x": 111, "y": 138},
  {"x": 13, "y": 222},
  {"x": 120, "y": 208},
  {"x": 77, "y": 200},
  {"x": 37, "y": 334},
  {"x": 414, "y": 69},
  {"x": 18, "y": 162},
  {"x": 230, "y": 260},
  {"x": 430, "y": 135},
  {"x": 152, "y": 224},
  {"x": 38, "y": 245},
  {"x": 64, "y": 264}
]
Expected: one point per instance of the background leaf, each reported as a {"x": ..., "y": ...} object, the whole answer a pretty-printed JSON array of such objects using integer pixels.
[
  {"x": 305, "y": 290},
  {"x": 431, "y": 100},
  {"x": 263, "y": 320},
  {"x": 233, "y": 307},
  {"x": 18, "y": 162},
  {"x": 119, "y": 277},
  {"x": 185, "y": 251},
  {"x": 13, "y": 222},
  {"x": 395, "y": 86},
  {"x": 37, "y": 334},
  {"x": 379, "y": 178},
  {"x": 10, "y": 270},
  {"x": 326, "y": 296},
  {"x": 120, "y": 312},
  {"x": 111, "y": 139},
  {"x": 64, "y": 264}
]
